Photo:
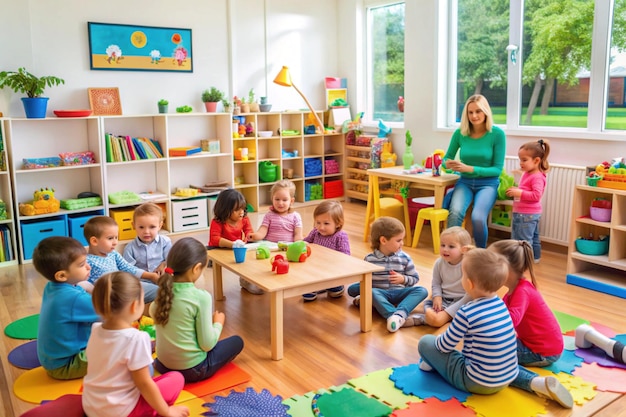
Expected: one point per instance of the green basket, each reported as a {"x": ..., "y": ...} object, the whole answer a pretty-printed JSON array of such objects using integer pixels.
[{"x": 593, "y": 181}]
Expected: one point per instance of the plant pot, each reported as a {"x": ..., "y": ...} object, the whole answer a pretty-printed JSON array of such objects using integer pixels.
[
  {"x": 407, "y": 158},
  {"x": 245, "y": 108},
  {"x": 35, "y": 108},
  {"x": 211, "y": 106},
  {"x": 265, "y": 107},
  {"x": 254, "y": 107},
  {"x": 163, "y": 108}
]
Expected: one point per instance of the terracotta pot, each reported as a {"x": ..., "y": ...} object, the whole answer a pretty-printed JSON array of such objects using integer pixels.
[
  {"x": 211, "y": 107},
  {"x": 245, "y": 108},
  {"x": 254, "y": 107}
]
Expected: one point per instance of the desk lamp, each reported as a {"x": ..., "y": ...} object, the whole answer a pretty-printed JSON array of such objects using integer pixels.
[{"x": 284, "y": 78}]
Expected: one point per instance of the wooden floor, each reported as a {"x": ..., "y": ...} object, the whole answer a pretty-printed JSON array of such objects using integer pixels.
[{"x": 323, "y": 343}]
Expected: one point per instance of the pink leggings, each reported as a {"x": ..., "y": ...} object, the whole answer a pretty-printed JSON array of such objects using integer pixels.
[{"x": 170, "y": 385}]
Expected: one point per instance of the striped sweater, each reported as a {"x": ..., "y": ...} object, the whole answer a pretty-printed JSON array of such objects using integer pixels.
[
  {"x": 489, "y": 342},
  {"x": 399, "y": 262}
]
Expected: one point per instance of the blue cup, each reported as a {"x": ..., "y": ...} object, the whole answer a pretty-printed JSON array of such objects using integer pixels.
[{"x": 240, "y": 254}]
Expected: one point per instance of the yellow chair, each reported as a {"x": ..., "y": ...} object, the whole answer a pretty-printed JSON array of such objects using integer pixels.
[
  {"x": 435, "y": 216},
  {"x": 389, "y": 207}
]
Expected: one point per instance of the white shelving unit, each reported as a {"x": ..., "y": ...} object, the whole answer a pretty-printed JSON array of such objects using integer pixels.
[
  {"x": 7, "y": 198},
  {"x": 604, "y": 273}
]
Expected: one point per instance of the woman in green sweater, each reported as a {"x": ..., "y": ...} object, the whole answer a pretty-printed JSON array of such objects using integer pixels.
[{"x": 481, "y": 147}]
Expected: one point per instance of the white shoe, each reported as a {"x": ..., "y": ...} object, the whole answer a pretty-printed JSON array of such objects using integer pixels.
[
  {"x": 557, "y": 392},
  {"x": 250, "y": 287},
  {"x": 424, "y": 366},
  {"x": 394, "y": 322}
]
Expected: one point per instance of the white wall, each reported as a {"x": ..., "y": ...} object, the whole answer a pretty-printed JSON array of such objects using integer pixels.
[{"x": 233, "y": 50}]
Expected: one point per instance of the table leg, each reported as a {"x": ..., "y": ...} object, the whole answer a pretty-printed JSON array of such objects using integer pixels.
[
  {"x": 276, "y": 324},
  {"x": 366, "y": 302},
  {"x": 439, "y": 195},
  {"x": 407, "y": 221},
  {"x": 373, "y": 204},
  {"x": 218, "y": 291}
]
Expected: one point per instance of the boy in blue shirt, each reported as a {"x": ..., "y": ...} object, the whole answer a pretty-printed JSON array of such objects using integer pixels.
[{"x": 66, "y": 312}]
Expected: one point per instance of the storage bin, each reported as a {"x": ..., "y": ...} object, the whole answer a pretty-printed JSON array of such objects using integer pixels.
[
  {"x": 600, "y": 214},
  {"x": 333, "y": 189},
  {"x": 76, "y": 225},
  {"x": 35, "y": 231},
  {"x": 312, "y": 191},
  {"x": 124, "y": 219},
  {"x": 312, "y": 167},
  {"x": 592, "y": 247},
  {"x": 190, "y": 214}
]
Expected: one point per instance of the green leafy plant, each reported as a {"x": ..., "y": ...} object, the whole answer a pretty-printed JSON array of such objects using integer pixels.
[
  {"x": 184, "y": 109},
  {"x": 213, "y": 95},
  {"x": 409, "y": 138},
  {"x": 251, "y": 97},
  {"x": 163, "y": 102},
  {"x": 24, "y": 82}
]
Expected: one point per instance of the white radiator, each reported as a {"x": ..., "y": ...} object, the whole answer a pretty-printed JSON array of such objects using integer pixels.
[{"x": 557, "y": 199}]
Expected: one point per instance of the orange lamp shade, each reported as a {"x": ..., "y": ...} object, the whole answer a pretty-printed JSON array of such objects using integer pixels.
[{"x": 283, "y": 78}]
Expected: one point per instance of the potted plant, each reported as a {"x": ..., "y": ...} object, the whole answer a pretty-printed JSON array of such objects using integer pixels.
[
  {"x": 254, "y": 106},
  {"x": 211, "y": 97},
  {"x": 163, "y": 105},
  {"x": 22, "y": 81},
  {"x": 226, "y": 105}
]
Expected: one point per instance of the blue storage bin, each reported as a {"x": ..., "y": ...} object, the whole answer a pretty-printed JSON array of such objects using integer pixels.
[
  {"x": 34, "y": 231},
  {"x": 312, "y": 167},
  {"x": 76, "y": 224}
]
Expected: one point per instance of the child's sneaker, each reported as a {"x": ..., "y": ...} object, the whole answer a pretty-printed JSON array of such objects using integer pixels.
[
  {"x": 415, "y": 320},
  {"x": 310, "y": 296},
  {"x": 424, "y": 366},
  {"x": 357, "y": 301},
  {"x": 394, "y": 322},
  {"x": 250, "y": 287},
  {"x": 335, "y": 292}
]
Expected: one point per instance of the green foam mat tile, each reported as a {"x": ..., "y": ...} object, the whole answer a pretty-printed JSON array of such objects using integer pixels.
[
  {"x": 378, "y": 385},
  {"x": 568, "y": 322},
  {"x": 300, "y": 405},
  {"x": 348, "y": 402}
]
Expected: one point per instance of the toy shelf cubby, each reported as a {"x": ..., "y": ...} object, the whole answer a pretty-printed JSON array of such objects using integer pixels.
[
  {"x": 8, "y": 254},
  {"x": 603, "y": 273}
]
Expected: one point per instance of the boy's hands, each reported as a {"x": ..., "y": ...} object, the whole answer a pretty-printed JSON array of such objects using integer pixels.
[
  {"x": 152, "y": 276},
  {"x": 396, "y": 278},
  {"x": 437, "y": 302},
  {"x": 219, "y": 317}
]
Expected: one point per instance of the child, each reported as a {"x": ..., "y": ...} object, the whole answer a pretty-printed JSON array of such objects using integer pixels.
[
  {"x": 101, "y": 233},
  {"x": 229, "y": 224},
  {"x": 447, "y": 294},
  {"x": 539, "y": 338},
  {"x": 187, "y": 339},
  {"x": 488, "y": 361},
  {"x": 149, "y": 249},
  {"x": 118, "y": 382},
  {"x": 66, "y": 312},
  {"x": 395, "y": 291},
  {"x": 533, "y": 157},
  {"x": 281, "y": 223},
  {"x": 328, "y": 219}
]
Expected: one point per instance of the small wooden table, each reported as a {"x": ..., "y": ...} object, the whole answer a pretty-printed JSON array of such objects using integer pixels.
[
  {"x": 325, "y": 268},
  {"x": 424, "y": 181}
]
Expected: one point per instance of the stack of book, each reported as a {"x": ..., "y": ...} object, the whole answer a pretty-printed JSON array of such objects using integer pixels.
[
  {"x": 125, "y": 148},
  {"x": 6, "y": 250}
]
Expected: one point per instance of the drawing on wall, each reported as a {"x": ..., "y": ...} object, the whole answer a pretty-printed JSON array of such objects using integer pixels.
[{"x": 139, "y": 48}]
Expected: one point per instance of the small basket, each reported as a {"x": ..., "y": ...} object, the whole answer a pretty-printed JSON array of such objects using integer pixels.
[
  {"x": 593, "y": 181},
  {"x": 592, "y": 247},
  {"x": 600, "y": 214}
]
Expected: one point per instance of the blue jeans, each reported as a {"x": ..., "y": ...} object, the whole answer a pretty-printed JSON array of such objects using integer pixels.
[
  {"x": 526, "y": 227},
  {"x": 451, "y": 367},
  {"x": 399, "y": 301},
  {"x": 149, "y": 290},
  {"x": 483, "y": 193},
  {"x": 224, "y": 352},
  {"x": 527, "y": 357}
]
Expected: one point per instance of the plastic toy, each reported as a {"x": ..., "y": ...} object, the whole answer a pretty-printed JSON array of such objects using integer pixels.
[
  {"x": 43, "y": 202},
  {"x": 280, "y": 264},
  {"x": 587, "y": 336},
  {"x": 387, "y": 158},
  {"x": 506, "y": 181},
  {"x": 298, "y": 251},
  {"x": 383, "y": 129},
  {"x": 262, "y": 252}
]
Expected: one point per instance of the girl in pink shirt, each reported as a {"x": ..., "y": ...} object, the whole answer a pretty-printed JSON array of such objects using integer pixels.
[
  {"x": 539, "y": 337},
  {"x": 533, "y": 158}
]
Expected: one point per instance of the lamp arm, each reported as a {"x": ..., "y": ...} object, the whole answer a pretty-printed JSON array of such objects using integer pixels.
[{"x": 320, "y": 125}]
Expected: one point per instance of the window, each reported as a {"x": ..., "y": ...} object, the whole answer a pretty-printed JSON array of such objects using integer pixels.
[
  {"x": 540, "y": 63},
  {"x": 385, "y": 61}
]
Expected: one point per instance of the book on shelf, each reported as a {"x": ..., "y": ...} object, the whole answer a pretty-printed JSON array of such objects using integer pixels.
[
  {"x": 131, "y": 149},
  {"x": 184, "y": 150},
  {"x": 139, "y": 148}
]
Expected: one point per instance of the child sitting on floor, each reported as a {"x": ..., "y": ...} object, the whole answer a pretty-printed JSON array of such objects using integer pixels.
[
  {"x": 66, "y": 312},
  {"x": 394, "y": 291}
]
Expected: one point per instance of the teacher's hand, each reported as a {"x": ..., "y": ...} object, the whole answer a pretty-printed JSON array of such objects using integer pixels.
[{"x": 459, "y": 166}]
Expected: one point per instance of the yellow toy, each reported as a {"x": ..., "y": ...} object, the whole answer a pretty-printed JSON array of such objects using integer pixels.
[
  {"x": 387, "y": 158},
  {"x": 43, "y": 202}
]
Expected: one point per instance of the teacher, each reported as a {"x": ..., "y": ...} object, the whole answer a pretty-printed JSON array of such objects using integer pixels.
[{"x": 481, "y": 147}]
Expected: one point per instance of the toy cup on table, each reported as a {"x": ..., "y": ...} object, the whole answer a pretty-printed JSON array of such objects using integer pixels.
[{"x": 240, "y": 254}]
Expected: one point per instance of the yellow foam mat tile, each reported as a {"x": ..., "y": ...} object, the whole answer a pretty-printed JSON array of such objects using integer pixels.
[{"x": 35, "y": 386}]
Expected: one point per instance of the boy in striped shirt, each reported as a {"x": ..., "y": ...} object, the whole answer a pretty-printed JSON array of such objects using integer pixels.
[{"x": 488, "y": 361}]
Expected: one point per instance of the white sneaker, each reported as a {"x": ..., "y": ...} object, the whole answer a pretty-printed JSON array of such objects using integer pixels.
[
  {"x": 415, "y": 320},
  {"x": 394, "y": 322},
  {"x": 250, "y": 287},
  {"x": 558, "y": 392}
]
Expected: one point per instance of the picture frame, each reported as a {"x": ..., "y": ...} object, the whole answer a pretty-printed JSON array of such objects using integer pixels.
[
  {"x": 118, "y": 47},
  {"x": 105, "y": 101}
]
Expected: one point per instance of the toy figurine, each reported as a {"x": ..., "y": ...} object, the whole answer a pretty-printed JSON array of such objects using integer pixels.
[
  {"x": 587, "y": 336},
  {"x": 262, "y": 252},
  {"x": 298, "y": 251},
  {"x": 280, "y": 264},
  {"x": 43, "y": 202}
]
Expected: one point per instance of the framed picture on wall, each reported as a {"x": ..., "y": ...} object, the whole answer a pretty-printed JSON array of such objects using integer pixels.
[
  {"x": 118, "y": 47},
  {"x": 105, "y": 101}
]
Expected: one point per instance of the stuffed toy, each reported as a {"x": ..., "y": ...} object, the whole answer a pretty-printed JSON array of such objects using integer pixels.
[
  {"x": 43, "y": 202},
  {"x": 506, "y": 181}
]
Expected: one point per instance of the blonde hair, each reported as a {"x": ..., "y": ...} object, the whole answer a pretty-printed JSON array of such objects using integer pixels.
[
  {"x": 148, "y": 209},
  {"x": 487, "y": 269},
  {"x": 386, "y": 227},
  {"x": 460, "y": 235},
  {"x": 115, "y": 291},
  {"x": 519, "y": 255},
  {"x": 538, "y": 149},
  {"x": 283, "y": 185},
  {"x": 334, "y": 209},
  {"x": 483, "y": 104}
]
